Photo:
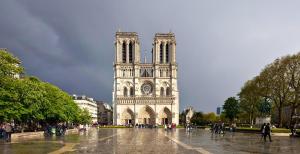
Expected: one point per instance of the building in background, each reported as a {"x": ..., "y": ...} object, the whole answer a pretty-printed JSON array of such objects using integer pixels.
[
  {"x": 85, "y": 102},
  {"x": 219, "y": 110},
  {"x": 145, "y": 93},
  {"x": 105, "y": 113}
]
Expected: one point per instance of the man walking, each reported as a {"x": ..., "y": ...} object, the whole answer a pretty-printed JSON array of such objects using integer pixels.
[{"x": 267, "y": 132}]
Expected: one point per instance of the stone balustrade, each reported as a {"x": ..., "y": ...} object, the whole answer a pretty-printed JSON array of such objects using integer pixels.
[{"x": 165, "y": 100}]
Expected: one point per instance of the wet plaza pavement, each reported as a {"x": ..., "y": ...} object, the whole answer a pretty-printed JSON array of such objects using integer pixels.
[{"x": 129, "y": 140}]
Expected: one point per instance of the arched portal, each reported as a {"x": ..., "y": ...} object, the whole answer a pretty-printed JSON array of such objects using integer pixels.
[
  {"x": 127, "y": 117},
  {"x": 146, "y": 116},
  {"x": 165, "y": 116}
]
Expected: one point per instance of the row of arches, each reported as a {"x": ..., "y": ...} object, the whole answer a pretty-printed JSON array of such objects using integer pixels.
[
  {"x": 164, "y": 73},
  {"x": 130, "y": 91},
  {"x": 165, "y": 93},
  {"x": 146, "y": 115},
  {"x": 124, "y": 52}
]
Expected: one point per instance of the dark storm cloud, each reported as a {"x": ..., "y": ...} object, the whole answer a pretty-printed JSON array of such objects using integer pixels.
[{"x": 220, "y": 45}]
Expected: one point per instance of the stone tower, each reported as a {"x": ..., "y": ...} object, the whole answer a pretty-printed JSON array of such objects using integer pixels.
[{"x": 145, "y": 93}]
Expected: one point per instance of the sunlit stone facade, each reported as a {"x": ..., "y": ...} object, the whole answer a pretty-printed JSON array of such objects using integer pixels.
[{"x": 145, "y": 93}]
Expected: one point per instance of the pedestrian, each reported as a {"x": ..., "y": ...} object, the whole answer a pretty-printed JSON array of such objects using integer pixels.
[
  {"x": 267, "y": 132},
  {"x": 222, "y": 128},
  {"x": 2, "y": 131},
  {"x": 293, "y": 129},
  {"x": 262, "y": 130},
  {"x": 219, "y": 128},
  {"x": 233, "y": 127},
  {"x": 216, "y": 128},
  {"x": 8, "y": 131}
]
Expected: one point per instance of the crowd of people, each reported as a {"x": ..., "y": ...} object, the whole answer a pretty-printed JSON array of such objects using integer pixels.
[
  {"x": 218, "y": 128},
  {"x": 169, "y": 126},
  {"x": 58, "y": 130},
  {"x": 6, "y": 130},
  {"x": 144, "y": 126}
]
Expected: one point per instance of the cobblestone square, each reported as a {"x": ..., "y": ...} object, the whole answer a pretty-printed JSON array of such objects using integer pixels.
[{"x": 129, "y": 140}]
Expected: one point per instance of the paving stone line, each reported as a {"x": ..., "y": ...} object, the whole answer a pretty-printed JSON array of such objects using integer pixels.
[
  {"x": 70, "y": 146},
  {"x": 198, "y": 149}
]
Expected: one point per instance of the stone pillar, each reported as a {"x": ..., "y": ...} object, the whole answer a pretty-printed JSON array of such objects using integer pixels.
[
  {"x": 116, "y": 52},
  {"x": 155, "y": 51},
  {"x": 137, "y": 52},
  {"x": 164, "y": 52},
  {"x": 173, "y": 52},
  {"x": 127, "y": 52},
  {"x": 135, "y": 115}
]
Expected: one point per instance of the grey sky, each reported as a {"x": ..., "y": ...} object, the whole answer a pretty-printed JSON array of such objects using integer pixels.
[{"x": 220, "y": 44}]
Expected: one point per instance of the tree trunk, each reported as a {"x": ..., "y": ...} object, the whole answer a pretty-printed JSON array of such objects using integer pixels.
[
  {"x": 294, "y": 106},
  {"x": 251, "y": 119},
  {"x": 292, "y": 114},
  {"x": 22, "y": 127},
  {"x": 280, "y": 116}
]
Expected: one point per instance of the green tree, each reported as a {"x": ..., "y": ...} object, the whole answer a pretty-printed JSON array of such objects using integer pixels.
[
  {"x": 292, "y": 64},
  {"x": 197, "y": 118},
  {"x": 10, "y": 108},
  {"x": 210, "y": 117},
  {"x": 231, "y": 108},
  {"x": 182, "y": 118},
  {"x": 249, "y": 100},
  {"x": 85, "y": 117},
  {"x": 9, "y": 64},
  {"x": 32, "y": 102},
  {"x": 265, "y": 107},
  {"x": 273, "y": 85}
]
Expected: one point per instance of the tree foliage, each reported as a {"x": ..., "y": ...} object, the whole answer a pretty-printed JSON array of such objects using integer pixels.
[
  {"x": 265, "y": 107},
  {"x": 202, "y": 119},
  {"x": 249, "y": 100},
  {"x": 277, "y": 86},
  {"x": 231, "y": 108},
  {"x": 9, "y": 65},
  {"x": 29, "y": 101},
  {"x": 197, "y": 118}
]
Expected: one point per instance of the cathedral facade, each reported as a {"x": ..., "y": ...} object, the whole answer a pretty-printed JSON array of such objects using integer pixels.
[{"x": 145, "y": 93}]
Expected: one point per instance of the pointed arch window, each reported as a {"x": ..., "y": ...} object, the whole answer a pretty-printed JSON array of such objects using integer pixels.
[
  {"x": 131, "y": 91},
  {"x": 124, "y": 52},
  {"x": 161, "y": 53},
  {"x": 125, "y": 92},
  {"x": 162, "y": 91},
  {"x": 167, "y": 53},
  {"x": 168, "y": 91},
  {"x": 130, "y": 52},
  {"x": 123, "y": 73}
]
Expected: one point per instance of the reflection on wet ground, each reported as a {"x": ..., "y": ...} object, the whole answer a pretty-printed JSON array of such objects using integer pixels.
[{"x": 153, "y": 141}]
